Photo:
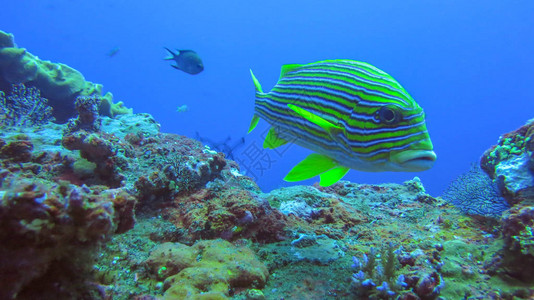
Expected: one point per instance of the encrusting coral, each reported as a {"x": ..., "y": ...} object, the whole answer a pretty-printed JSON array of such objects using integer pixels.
[{"x": 206, "y": 270}]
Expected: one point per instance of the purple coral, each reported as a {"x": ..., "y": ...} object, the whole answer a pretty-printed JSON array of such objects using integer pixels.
[
  {"x": 370, "y": 270},
  {"x": 356, "y": 264},
  {"x": 24, "y": 107},
  {"x": 384, "y": 289}
]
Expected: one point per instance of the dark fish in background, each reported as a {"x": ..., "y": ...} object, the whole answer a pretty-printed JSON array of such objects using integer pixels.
[
  {"x": 113, "y": 52},
  {"x": 186, "y": 60},
  {"x": 182, "y": 108},
  {"x": 222, "y": 146}
]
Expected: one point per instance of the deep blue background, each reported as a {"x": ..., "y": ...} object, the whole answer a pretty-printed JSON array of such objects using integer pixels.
[{"x": 469, "y": 64}]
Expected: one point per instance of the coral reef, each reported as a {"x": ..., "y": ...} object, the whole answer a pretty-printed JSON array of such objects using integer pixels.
[
  {"x": 184, "y": 193},
  {"x": 59, "y": 83},
  {"x": 511, "y": 163},
  {"x": 92, "y": 180}
]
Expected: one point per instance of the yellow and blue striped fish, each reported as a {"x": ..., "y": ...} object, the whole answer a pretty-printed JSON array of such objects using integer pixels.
[{"x": 352, "y": 114}]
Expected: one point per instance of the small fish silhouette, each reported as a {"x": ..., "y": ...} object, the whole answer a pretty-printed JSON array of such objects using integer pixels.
[{"x": 186, "y": 60}]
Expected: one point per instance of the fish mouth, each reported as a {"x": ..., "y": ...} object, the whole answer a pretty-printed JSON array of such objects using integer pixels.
[{"x": 414, "y": 160}]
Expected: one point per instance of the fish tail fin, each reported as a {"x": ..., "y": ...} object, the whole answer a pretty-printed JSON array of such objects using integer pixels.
[
  {"x": 257, "y": 86},
  {"x": 173, "y": 55}
]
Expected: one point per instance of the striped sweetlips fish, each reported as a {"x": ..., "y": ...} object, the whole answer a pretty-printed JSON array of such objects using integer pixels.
[{"x": 352, "y": 114}]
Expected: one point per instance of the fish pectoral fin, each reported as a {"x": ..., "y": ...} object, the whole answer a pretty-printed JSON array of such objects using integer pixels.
[
  {"x": 332, "y": 129},
  {"x": 313, "y": 165},
  {"x": 253, "y": 123},
  {"x": 176, "y": 67},
  {"x": 272, "y": 140},
  {"x": 333, "y": 175},
  {"x": 288, "y": 68}
]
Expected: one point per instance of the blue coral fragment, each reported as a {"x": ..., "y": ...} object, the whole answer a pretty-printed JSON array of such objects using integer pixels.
[{"x": 474, "y": 193}]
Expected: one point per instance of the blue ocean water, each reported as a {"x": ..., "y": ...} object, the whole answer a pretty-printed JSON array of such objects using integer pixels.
[{"x": 467, "y": 63}]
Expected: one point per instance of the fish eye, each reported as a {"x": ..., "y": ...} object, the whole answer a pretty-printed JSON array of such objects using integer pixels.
[{"x": 389, "y": 115}]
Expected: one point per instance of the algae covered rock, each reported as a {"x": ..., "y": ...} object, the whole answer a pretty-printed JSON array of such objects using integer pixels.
[
  {"x": 511, "y": 163},
  {"x": 206, "y": 268},
  {"x": 6, "y": 40},
  {"x": 48, "y": 228}
]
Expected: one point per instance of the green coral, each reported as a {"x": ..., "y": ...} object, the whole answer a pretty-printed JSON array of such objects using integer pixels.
[
  {"x": 381, "y": 272},
  {"x": 525, "y": 238},
  {"x": 507, "y": 147},
  {"x": 110, "y": 109},
  {"x": 390, "y": 264},
  {"x": 207, "y": 270}
]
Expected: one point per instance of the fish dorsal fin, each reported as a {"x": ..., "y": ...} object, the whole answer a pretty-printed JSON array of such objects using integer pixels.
[
  {"x": 333, "y": 175},
  {"x": 332, "y": 129},
  {"x": 184, "y": 51},
  {"x": 288, "y": 68},
  {"x": 257, "y": 84},
  {"x": 313, "y": 165},
  {"x": 272, "y": 140}
]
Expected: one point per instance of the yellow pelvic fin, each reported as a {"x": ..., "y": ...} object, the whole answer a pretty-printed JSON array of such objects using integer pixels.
[
  {"x": 317, "y": 120},
  {"x": 313, "y": 165},
  {"x": 288, "y": 68},
  {"x": 332, "y": 176},
  {"x": 256, "y": 82},
  {"x": 253, "y": 123},
  {"x": 272, "y": 140}
]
